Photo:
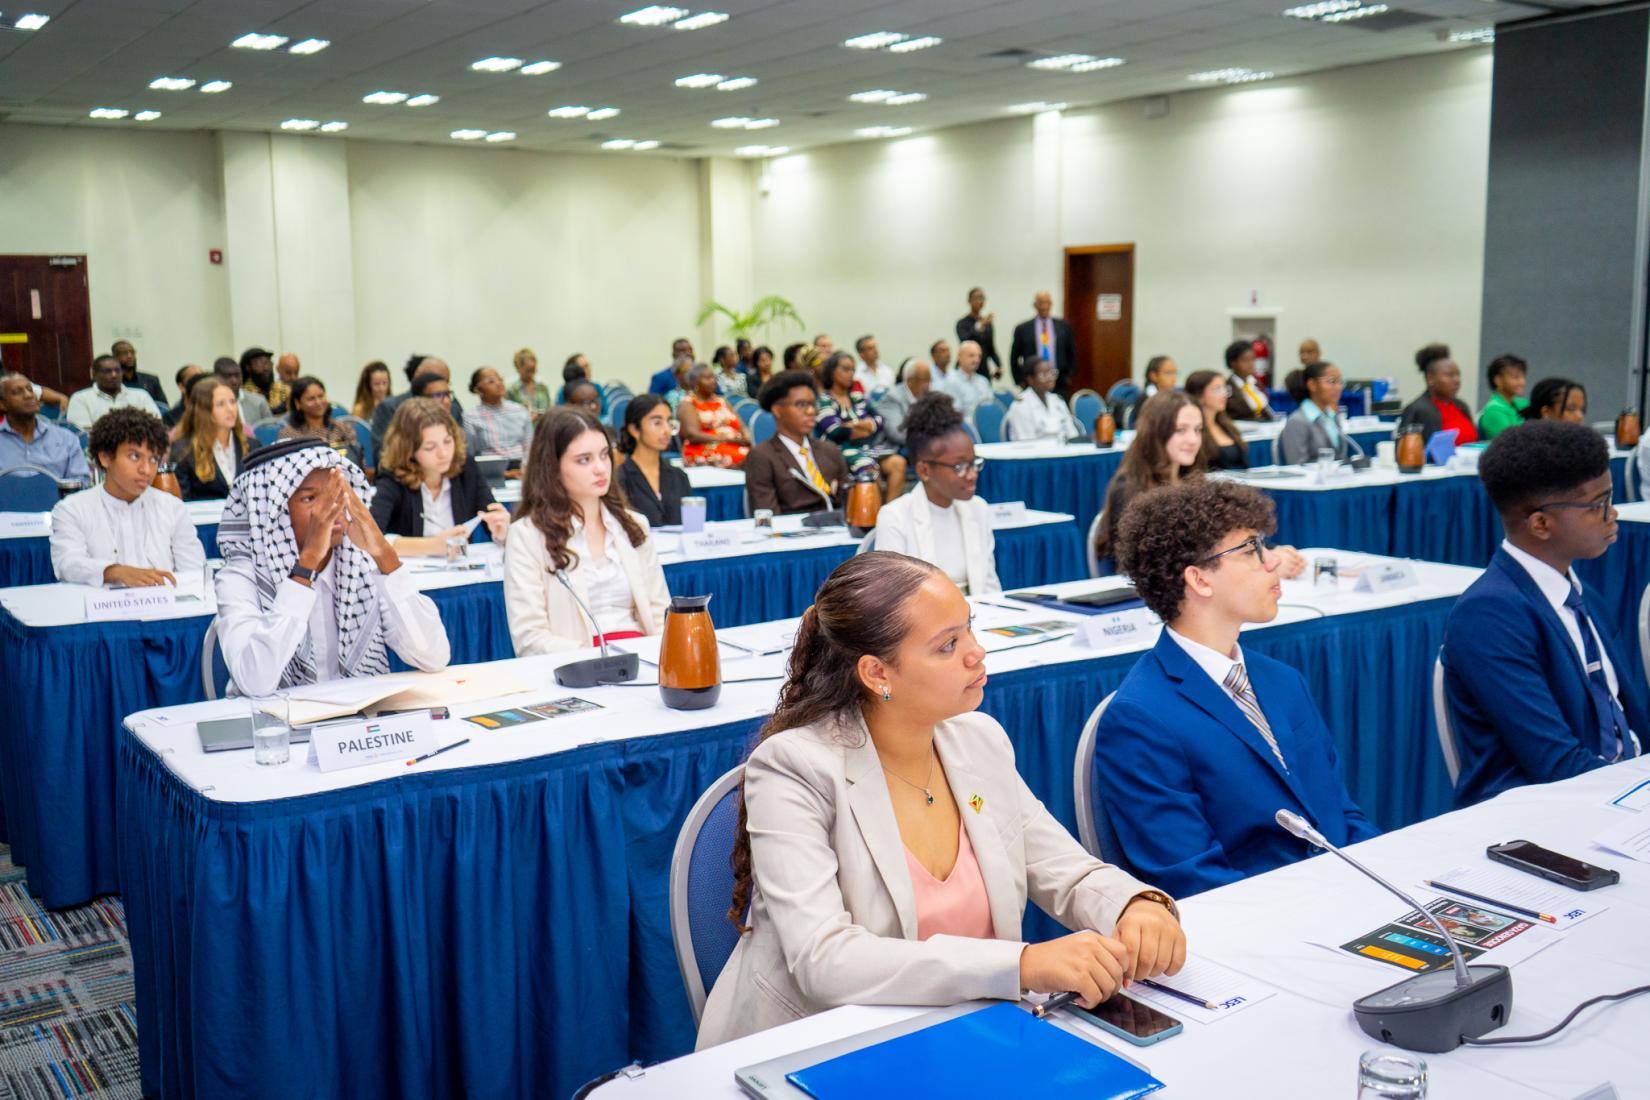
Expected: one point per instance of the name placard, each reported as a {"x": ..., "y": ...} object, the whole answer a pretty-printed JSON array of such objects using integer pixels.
[
  {"x": 697, "y": 544},
  {"x": 1386, "y": 576},
  {"x": 1119, "y": 628},
  {"x": 372, "y": 740},
  {"x": 1006, "y": 512},
  {"x": 128, "y": 603}
]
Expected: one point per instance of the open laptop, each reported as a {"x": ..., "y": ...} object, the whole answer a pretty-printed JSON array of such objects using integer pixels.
[{"x": 492, "y": 468}]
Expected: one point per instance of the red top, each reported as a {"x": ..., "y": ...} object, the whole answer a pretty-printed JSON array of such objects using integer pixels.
[{"x": 1455, "y": 418}]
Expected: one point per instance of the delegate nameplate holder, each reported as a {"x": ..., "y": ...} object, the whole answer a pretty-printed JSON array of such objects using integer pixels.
[
  {"x": 1008, "y": 512},
  {"x": 108, "y": 604},
  {"x": 698, "y": 544},
  {"x": 1386, "y": 576},
  {"x": 1120, "y": 628},
  {"x": 342, "y": 745}
]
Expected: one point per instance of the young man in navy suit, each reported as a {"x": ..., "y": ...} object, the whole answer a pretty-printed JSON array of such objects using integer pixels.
[
  {"x": 1204, "y": 743},
  {"x": 1536, "y": 691}
]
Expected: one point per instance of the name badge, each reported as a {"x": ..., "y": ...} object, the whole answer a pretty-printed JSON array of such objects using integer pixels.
[
  {"x": 372, "y": 741},
  {"x": 128, "y": 603},
  {"x": 1007, "y": 512},
  {"x": 699, "y": 543},
  {"x": 1386, "y": 577},
  {"x": 1117, "y": 629}
]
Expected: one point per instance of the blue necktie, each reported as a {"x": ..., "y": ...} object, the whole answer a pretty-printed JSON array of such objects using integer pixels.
[{"x": 1612, "y": 721}]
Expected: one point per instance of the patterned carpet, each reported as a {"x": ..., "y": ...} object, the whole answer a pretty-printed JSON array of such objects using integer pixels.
[{"x": 67, "y": 1026}]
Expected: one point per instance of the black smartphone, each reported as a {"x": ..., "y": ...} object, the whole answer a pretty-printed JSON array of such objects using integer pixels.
[
  {"x": 1127, "y": 1018},
  {"x": 1535, "y": 860}
]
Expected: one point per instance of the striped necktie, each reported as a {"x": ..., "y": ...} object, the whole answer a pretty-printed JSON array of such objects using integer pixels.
[
  {"x": 1237, "y": 682},
  {"x": 813, "y": 471}
]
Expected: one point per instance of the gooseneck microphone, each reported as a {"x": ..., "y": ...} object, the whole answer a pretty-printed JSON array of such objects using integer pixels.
[
  {"x": 1430, "y": 1012},
  {"x": 606, "y": 669}
]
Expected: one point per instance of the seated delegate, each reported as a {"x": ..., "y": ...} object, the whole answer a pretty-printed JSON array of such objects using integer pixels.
[
  {"x": 1315, "y": 425},
  {"x": 1039, "y": 412},
  {"x": 29, "y": 439},
  {"x": 124, "y": 531},
  {"x": 942, "y": 522},
  {"x": 1248, "y": 400},
  {"x": 1439, "y": 408},
  {"x": 846, "y": 419},
  {"x": 1557, "y": 399},
  {"x": 792, "y": 471},
  {"x": 1161, "y": 372},
  {"x": 495, "y": 425},
  {"x": 1203, "y": 742},
  {"x": 1507, "y": 375},
  {"x": 1223, "y": 445},
  {"x": 887, "y": 846},
  {"x": 309, "y": 416},
  {"x": 652, "y": 485},
  {"x": 712, "y": 433},
  {"x": 573, "y": 535},
  {"x": 428, "y": 490},
  {"x": 1536, "y": 691},
  {"x": 212, "y": 442},
  {"x": 311, "y": 590}
]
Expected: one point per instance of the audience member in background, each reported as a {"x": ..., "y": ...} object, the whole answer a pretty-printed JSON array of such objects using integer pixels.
[
  {"x": 494, "y": 425},
  {"x": 577, "y": 369},
  {"x": 310, "y": 417},
  {"x": 212, "y": 443},
  {"x": 123, "y": 532},
  {"x": 575, "y": 537},
  {"x": 1309, "y": 352},
  {"x": 912, "y": 381},
  {"x": 873, "y": 375},
  {"x": 1204, "y": 742},
  {"x": 126, "y": 355},
  {"x": 1039, "y": 412},
  {"x": 311, "y": 590},
  {"x": 980, "y": 327},
  {"x": 106, "y": 393},
  {"x": 1557, "y": 399},
  {"x": 1439, "y": 408},
  {"x": 1044, "y": 338},
  {"x": 428, "y": 490},
  {"x": 679, "y": 388},
  {"x": 667, "y": 379},
  {"x": 1315, "y": 425},
  {"x": 942, "y": 521},
  {"x": 865, "y": 879},
  {"x": 939, "y": 354},
  {"x": 1161, "y": 374},
  {"x": 761, "y": 369},
  {"x": 47, "y": 396},
  {"x": 712, "y": 433},
  {"x": 1223, "y": 445},
  {"x": 370, "y": 390},
  {"x": 742, "y": 352},
  {"x": 1248, "y": 400},
  {"x": 254, "y": 409},
  {"x": 526, "y": 390},
  {"x": 846, "y": 419},
  {"x": 968, "y": 385},
  {"x": 652, "y": 485},
  {"x": 584, "y": 395},
  {"x": 28, "y": 439},
  {"x": 792, "y": 471},
  {"x": 1507, "y": 375},
  {"x": 824, "y": 346},
  {"x": 792, "y": 359},
  {"x": 288, "y": 368},
  {"x": 1536, "y": 692},
  {"x": 730, "y": 380},
  {"x": 185, "y": 377},
  {"x": 429, "y": 368},
  {"x": 258, "y": 373}
]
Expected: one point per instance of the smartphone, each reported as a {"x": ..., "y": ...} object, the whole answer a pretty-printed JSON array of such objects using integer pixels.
[
  {"x": 1535, "y": 860},
  {"x": 1129, "y": 1019}
]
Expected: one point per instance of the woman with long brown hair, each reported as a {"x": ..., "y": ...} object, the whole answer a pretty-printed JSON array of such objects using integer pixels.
[
  {"x": 428, "y": 490},
  {"x": 371, "y": 390},
  {"x": 575, "y": 536},
  {"x": 212, "y": 443},
  {"x": 860, "y": 878}
]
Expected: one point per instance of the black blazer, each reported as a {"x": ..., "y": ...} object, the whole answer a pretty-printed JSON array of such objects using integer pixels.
[
  {"x": 1423, "y": 413},
  {"x": 216, "y": 487},
  {"x": 1023, "y": 351},
  {"x": 664, "y": 507},
  {"x": 399, "y": 510}
]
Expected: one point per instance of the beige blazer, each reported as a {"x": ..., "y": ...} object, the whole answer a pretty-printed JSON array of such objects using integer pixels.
[
  {"x": 833, "y": 915},
  {"x": 907, "y": 526},
  {"x": 543, "y": 617}
]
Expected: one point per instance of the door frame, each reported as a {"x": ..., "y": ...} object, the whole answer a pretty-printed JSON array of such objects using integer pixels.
[{"x": 1073, "y": 251}]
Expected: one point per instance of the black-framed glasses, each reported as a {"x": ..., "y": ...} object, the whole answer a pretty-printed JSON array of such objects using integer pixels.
[
  {"x": 1600, "y": 506},
  {"x": 959, "y": 468},
  {"x": 1255, "y": 543}
]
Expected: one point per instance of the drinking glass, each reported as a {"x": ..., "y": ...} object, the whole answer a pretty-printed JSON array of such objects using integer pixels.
[
  {"x": 271, "y": 732},
  {"x": 1383, "y": 1075}
]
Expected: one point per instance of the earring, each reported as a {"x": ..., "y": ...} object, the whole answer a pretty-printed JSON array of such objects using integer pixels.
[{"x": 885, "y": 695}]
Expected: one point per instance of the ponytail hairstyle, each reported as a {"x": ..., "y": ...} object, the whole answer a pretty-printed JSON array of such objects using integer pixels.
[{"x": 849, "y": 619}]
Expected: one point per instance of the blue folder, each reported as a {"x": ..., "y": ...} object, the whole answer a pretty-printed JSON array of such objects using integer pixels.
[{"x": 997, "y": 1051}]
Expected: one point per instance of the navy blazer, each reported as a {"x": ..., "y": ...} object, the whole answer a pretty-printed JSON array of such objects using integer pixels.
[
  {"x": 1516, "y": 689},
  {"x": 1190, "y": 785}
]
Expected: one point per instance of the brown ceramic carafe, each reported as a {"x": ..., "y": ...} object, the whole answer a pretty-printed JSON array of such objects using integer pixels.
[
  {"x": 1412, "y": 451},
  {"x": 1105, "y": 429},
  {"x": 167, "y": 481},
  {"x": 690, "y": 671},
  {"x": 1627, "y": 429},
  {"x": 864, "y": 502}
]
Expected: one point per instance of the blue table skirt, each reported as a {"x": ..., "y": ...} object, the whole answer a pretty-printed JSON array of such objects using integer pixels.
[
  {"x": 458, "y": 933},
  {"x": 1619, "y": 579},
  {"x": 1446, "y": 520},
  {"x": 1075, "y": 484}
]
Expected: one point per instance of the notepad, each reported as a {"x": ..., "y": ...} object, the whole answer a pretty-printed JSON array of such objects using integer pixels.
[{"x": 1000, "y": 1050}]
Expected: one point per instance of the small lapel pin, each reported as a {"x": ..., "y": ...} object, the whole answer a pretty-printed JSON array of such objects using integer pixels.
[{"x": 977, "y": 802}]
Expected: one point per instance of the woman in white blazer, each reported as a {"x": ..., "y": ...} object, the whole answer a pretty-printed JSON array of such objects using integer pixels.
[
  {"x": 575, "y": 523},
  {"x": 887, "y": 846},
  {"x": 942, "y": 521}
]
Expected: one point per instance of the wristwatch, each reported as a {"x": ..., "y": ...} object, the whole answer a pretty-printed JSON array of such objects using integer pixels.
[
  {"x": 1161, "y": 898},
  {"x": 302, "y": 573}
]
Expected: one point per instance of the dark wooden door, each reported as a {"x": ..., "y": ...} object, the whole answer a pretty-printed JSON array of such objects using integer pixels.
[
  {"x": 46, "y": 320},
  {"x": 1100, "y": 306}
]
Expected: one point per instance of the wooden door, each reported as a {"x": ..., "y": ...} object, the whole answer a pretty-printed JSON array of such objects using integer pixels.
[
  {"x": 1100, "y": 306},
  {"x": 46, "y": 320}
]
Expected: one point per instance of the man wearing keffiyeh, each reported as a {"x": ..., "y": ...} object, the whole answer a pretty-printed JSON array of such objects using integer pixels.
[{"x": 311, "y": 589}]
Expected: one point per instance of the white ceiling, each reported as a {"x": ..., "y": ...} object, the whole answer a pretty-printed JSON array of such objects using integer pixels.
[{"x": 104, "y": 53}]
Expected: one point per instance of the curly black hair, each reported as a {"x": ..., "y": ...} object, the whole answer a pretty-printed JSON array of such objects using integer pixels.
[
  {"x": 933, "y": 416},
  {"x": 779, "y": 387},
  {"x": 1235, "y": 350},
  {"x": 1539, "y": 461},
  {"x": 1431, "y": 354},
  {"x": 1165, "y": 530},
  {"x": 1505, "y": 362},
  {"x": 127, "y": 425}
]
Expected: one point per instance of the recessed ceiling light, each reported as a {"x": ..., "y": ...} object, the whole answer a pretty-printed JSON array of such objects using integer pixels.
[
  {"x": 501, "y": 135},
  {"x": 1036, "y": 107},
  {"x": 1319, "y": 10},
  {"x": 171, "y": 83},
  {"x": 107, "y": 112},
  {"x": 732, "y": 122},
  {"x": 911, "y": 44},
  {"x": 1074, "y": 63},
  {"x": 334, "y": 127},
  {"x": 618, "y": 143},
  {"x": 883, "y": 131},
  {"x": 384, "y": 98},
  {"x": 761, "y": 123},
  {"x": 496, "y": 64},
  {"x": 1096, "y": 65},
  {"x": 309, "y": 46},
  {"x": 424, "y": 99},
  {"x": 737, "y": 84},
  {"x": 539, "y": 68},
  {"x": 644, "y": 146},
  {"x": 601, "y": 114},
  {"x": 876, "y": 40},
  {"x": 700, "y": 80},
  {"x": 467, "y": 135},
  {"x": 146, "y": 116},
  {"x": 260, "y": 41},
  {"x": 1477, "y": 34},
  {"x": 875, "y": 95},
  {"x": 1360, "y": 12},
  {"x": 213, "y": 87},
  {"x": 655, "y": 15},
  {"x": 905, "y": 97},
  {"x": 31, "y": 22},
  {"x": 1229, "y": 76},
  {"x": 701, "y": 21},
  {"x": 569, "y": 112},
  {"x": 301, "y": 124},
  {"x": 761, "y": 150}
]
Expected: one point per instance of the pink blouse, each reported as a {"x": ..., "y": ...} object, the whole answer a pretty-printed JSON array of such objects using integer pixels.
[{"x": 958, "y": 906}]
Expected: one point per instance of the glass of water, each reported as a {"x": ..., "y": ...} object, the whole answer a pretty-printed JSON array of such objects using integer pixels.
[
  {"x": 763, "y": 518},
  {"x": 1326, "y": 462},
  {"x": 1383, "y": 1075},
  {"x": 271, "y": 732}
]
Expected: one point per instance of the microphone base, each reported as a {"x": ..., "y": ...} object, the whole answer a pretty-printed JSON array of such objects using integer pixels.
[
  {"x": 1430, "y": 1014},
  {"x": 832, "y": 518},
  {"x": 616, "y": 668}
]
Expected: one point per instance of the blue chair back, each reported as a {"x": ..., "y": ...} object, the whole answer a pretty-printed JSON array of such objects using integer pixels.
[
  {"x": 701, "y": 888},
  {"x": 615, "y": 411},
  {"x": 745, "y": 409},
  {"x": 610, "y": 390},
  {"x": 1004, "y": 398},
  {"x": 214, "y": 672},
  {"x": 1086, "y": 406},
  {"x": 762, "y": 426},
  {"x": 1094, "y": 828},
  {"x": 988, "y": 421},
  {"x": 1123, "y": 392},
  {"x": 363, "y": 437},
  {"x": 267, "y": 431},
  {"x": 339, "y": 412},
  {"x": 27, "y": 489},
  {"x": 51, "y": 411}
]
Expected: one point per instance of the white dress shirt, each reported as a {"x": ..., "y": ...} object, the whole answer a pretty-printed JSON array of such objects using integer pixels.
[
  {"x": 1031, "y": 417},
  {"x": 1218, "y": 665},
  {"x": 92, "y": 530},
  {"x": 877, "y": 379},
  {"x": 88, "y": 405},
  {"x": 224, "y": 455},
  {"x": 967, "y": 390},
  {"x": 1556, "y": 587},
  {"x": 257, "y": 644},
  {"x": 1253, "y": 394},
  {"x": 438, "y": 508},
  {"x": 949, "y": 555},
  {"x": 609, "y": 588}
]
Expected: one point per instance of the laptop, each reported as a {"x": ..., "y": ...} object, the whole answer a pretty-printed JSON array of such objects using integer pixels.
[{"x": 492, "y": 468}]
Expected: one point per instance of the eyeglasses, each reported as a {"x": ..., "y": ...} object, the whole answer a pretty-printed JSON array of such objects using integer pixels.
[
  {"x": 442, "y": 396},
  {"x": 803, "y": 403},
  {"x": 1256, "y": 544},
  {"x": 1600, "y": 507},
  {"x": 959, "y": 468}
]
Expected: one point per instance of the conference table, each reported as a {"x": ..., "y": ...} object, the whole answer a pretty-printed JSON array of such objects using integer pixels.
[
  {"x": 494, "y": 920},
  {"x": 1302, "y": 1041}
]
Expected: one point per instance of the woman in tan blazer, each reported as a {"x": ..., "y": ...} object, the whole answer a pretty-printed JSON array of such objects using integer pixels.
[
  {"x": 888, "y": 846},
  {"x": 574, "y": 521}
]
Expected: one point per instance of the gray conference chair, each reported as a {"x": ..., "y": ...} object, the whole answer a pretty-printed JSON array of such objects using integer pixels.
[
  {"x": 1089, "y": 551},
  {"x": 1440, "y": 718},
  {"x": 1093, "y": 826},
  {"x": 1644, "y": 631},
  {"x": 215, "y": 682}
]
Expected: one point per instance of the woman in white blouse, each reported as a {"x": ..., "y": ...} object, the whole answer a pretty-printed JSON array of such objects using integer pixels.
[
  {"x": 577, "y": 537},
  {"x": 1039, "y": 413}
]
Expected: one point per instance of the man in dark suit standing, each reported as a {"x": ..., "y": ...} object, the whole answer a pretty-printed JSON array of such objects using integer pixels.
[
  {"x": 981, "y": 327},
  {"x": 1043, "y": 337},
  {"x": 793, "y": 472}
]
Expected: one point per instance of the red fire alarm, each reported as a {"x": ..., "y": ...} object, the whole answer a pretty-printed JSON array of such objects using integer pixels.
[{"x": 216, "y": 255}]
